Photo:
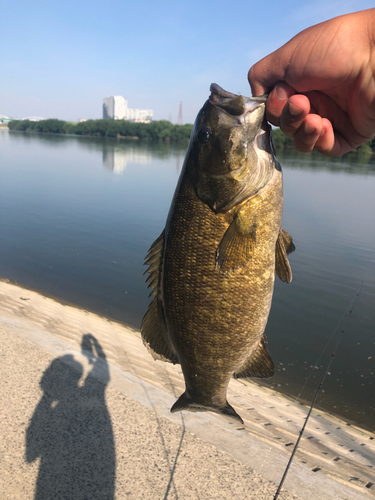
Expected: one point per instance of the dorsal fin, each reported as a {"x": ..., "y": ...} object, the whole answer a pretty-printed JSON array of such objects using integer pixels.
[
  {"x": 154, "y": 259},
  {"x": 153, "y": 328},
  {"x": 259, "y": 365}
]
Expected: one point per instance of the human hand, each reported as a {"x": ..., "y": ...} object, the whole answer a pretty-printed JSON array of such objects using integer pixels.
[
  {"x": 323, "y": 84},
  {"x": 88, "y": 344}
]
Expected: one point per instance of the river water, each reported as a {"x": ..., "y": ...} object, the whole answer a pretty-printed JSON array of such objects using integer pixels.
[{"x": 77, "y": 216}]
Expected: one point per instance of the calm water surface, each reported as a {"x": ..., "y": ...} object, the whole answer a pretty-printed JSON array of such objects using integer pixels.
[{"x": 77, "y": 216}]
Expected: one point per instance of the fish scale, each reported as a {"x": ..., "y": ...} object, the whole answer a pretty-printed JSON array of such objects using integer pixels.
[{"x": 216, "y": 259}]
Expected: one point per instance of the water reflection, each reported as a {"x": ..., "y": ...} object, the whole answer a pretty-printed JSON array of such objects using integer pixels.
[
  {"x": 71, "y": 430},
  {"x": 70, "y": 228},
  {"x": 118, "y": 152},
  {"x": 351, "y": 163},
  {"x": 106, "y": 145},
  {"x": 116, "y": 158}
]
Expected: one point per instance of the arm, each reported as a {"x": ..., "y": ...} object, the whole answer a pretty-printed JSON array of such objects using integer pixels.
[
  {"x": 322, "y": 84},
  {"x": 37, "y": 430}
]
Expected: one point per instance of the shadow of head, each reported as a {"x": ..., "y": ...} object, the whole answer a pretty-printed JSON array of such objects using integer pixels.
[{"x": 61, "y": 377}]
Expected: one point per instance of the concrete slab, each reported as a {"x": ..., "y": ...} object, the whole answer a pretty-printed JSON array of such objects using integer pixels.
[{"x": 85, "y": 414}]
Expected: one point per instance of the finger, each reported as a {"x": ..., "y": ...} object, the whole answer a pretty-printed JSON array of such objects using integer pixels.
[
  {"x": 276, "y": 101},
  {"x": 257, "y": 88},
  {"x": 308, "y": 134},
  {"x": 318, "y": 133},
  {"x": 294, "y": 114},
  {"x": 326, "y": 141},
  {"x": 264, "y": 75},
  {"x": 329, "y": 143},
  {"x": 343, "y": 136}
]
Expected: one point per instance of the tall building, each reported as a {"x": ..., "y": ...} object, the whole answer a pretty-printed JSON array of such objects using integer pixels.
[{"x": 116, "y": 108}]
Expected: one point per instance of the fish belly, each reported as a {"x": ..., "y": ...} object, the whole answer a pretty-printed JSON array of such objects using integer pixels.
[{"x": 215, "y": 320}]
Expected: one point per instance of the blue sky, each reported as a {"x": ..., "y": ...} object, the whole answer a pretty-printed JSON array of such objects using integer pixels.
[{"x": 59, "y": 59}]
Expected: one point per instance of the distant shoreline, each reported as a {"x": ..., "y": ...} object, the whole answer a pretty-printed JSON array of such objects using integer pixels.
[
  {"x": 162, "y": 130},
  {"x": 155, "y": 131}
]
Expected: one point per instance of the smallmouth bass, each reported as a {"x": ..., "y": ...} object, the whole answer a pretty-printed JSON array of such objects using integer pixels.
[{"x": 212, "y": 269}]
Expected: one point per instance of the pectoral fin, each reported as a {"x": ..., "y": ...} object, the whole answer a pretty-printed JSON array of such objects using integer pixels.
[
  {"x": 237, "y": 246},
  {"x": 153, "y": 328},
  {"x": 287, "y": 241},
  {"x": 259, "y": 365},
  {"x": 284, "y": 246}
]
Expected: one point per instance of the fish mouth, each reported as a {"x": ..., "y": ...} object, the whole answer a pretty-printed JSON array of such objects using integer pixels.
[
  {"x": 247, "y": 111},
  {"x": 235, "y": 105},
  {"x": 232, "y": 170}
]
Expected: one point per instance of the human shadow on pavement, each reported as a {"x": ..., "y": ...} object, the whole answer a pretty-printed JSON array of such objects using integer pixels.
[{"x": 71, "y": 430}]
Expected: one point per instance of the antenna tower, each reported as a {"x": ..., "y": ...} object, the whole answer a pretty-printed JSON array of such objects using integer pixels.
[{"x": 180, "y": 115}]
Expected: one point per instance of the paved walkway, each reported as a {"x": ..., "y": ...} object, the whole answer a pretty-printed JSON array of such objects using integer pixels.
[{"x": 85, "y": 415}]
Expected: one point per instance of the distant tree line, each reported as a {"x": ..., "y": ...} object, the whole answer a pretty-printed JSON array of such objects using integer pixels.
[{"x": 155, "y": 130}]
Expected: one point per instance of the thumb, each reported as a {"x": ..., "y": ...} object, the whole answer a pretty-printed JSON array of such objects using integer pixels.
[{"x": 264, "y": 75}]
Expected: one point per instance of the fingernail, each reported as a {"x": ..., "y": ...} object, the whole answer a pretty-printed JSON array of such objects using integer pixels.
[
  {"x": 308, "y": 129},
  {"x": 281, "y": 93},
  {"x": 293, "y": 110}
]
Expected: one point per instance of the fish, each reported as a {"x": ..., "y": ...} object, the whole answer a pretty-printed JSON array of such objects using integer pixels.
[{"x": 212, "y": 269}]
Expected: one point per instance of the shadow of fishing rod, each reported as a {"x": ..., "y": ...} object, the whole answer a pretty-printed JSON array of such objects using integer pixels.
[
  {"x": 172, "y": 471},
  {"x": 175, "y": 460},
  {"x": 172, "y": 468}
]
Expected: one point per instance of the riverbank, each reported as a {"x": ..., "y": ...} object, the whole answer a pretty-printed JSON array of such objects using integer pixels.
[
  {"x": 157, "y": 454},
  {"x": 159, "y": 130}
]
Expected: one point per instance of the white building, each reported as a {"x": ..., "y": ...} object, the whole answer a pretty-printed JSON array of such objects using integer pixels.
[
  {"x": 116, "y": 108},
  {"x": 33, "y": 118}
]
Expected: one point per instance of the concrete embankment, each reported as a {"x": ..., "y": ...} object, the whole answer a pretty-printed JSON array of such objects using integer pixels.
[{"x": 85, "y": 414}]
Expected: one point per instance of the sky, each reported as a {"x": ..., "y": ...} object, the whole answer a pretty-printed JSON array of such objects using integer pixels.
[{"x": 59, "y": 59}]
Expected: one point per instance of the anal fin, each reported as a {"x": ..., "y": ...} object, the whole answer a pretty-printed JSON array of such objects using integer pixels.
[
  {"x": 155, "y": 335},
  {"x": 259, "y": 365}
]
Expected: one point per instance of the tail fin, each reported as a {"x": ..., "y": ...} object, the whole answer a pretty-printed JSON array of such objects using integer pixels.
[{"x": 186, "y": 402}]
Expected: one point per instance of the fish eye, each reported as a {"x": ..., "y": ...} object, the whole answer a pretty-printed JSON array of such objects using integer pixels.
[{"x": 204, "y": 135}]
